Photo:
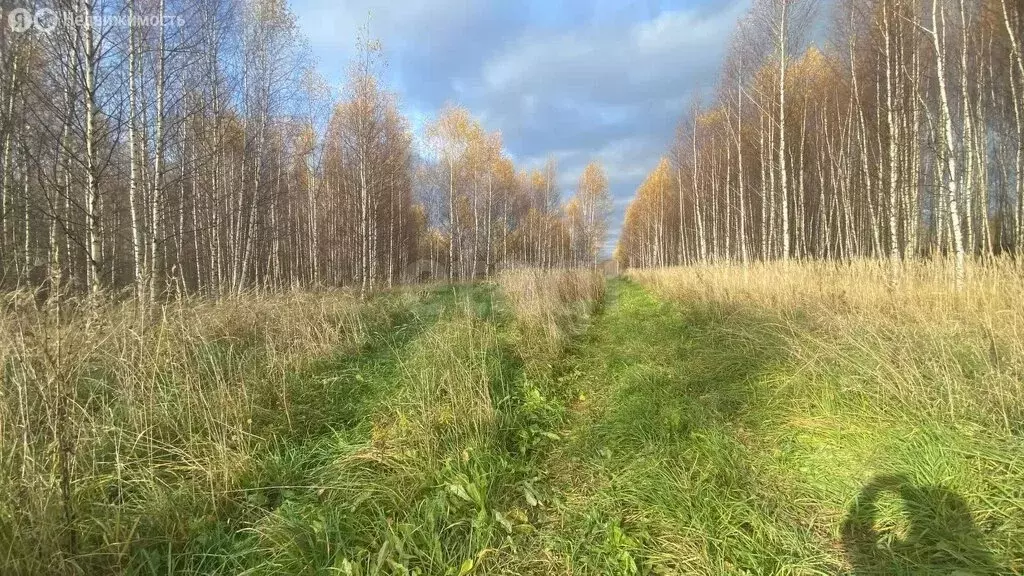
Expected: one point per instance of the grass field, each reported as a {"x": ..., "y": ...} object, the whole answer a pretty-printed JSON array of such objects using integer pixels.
[{"x": 807, "y": 420}]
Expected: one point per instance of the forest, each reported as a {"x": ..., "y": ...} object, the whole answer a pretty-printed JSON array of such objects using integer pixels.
[
  {"x": 899, "y": 136},
  {"x": 209, "y": 157}
]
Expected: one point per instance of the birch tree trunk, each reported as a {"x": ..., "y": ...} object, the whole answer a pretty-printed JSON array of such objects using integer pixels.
[
  {"x": 137, "y": 239},
  {"x": 946, "y": 143},
  {"x": 783, "y": 176},
  {"x": 91, "y": 61}
]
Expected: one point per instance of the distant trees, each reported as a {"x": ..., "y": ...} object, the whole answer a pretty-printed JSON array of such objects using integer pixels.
[
  {"x": 451, "y": 136},
  {"x": 901, "y": 138},
  {"x": 491, "y": 215},
  {"x": 368, "y": 162},
  {"x": 587, "y": 214}
]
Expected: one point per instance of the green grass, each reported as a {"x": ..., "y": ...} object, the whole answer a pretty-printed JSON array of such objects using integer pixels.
[
  {"x": 700, "y": 444},
  {"x": 312, "y": 501},
  {"x": 647, "y": 437},
  {"x": 658, "y": 473}
]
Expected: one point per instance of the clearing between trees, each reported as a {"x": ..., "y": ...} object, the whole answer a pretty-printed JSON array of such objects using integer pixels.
[{"x": 782, "y": 419}]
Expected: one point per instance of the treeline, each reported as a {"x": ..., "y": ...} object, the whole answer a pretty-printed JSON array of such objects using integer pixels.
[
  {"x": 903, "y": 137},
  {"x": 206, "y": 156}
]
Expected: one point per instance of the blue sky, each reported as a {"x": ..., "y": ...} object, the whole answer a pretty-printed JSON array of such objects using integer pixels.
[{"x": 581, "y": 81}]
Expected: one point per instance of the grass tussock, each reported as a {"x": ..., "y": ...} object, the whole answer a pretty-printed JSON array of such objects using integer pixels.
[
  {"x": 421, "y": 491},
  {"x": 546, "y": 303},
  {"x": 445, "y": 480},
  {"x": 445, "y": 405}
]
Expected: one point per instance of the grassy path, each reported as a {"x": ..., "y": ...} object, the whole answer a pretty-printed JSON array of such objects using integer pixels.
[
  {"x": 697, "y": 446},
  {"x": 281, "y": 518},
  {"x": 657, "y": 472},
  {"x": 666, "y": 438}
]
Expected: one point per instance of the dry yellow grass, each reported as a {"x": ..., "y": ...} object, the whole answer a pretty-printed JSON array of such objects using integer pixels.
[
  {"x": 748, "y": 407},
  {"x": 544, "y": 300},
  {"x": 875, "y": 379},
  {"x": 912, "y": 339},
  {"x": 106, "y": 401}
]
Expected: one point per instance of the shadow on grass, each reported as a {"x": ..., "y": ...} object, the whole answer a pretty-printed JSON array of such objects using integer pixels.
[{"x": 939, "y": 537}]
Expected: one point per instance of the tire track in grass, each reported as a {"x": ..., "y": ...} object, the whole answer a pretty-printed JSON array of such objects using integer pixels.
[
  {"x": 330, "y": 409},
  {"x": 657, "y": 470}
]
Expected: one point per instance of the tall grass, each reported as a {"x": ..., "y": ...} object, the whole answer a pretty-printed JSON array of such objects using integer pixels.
[
  {"x": 909, "y": 344},
  {"x": 115, "y": 428},
  {"x": 443, "y": 483},
  {"x": 278, "y": 434},
  {"x": 804, "y": 418},
  {"x": 547, "y": 302}
]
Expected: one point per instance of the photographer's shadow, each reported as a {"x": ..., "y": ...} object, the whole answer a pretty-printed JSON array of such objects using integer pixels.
[{"x": 939, "y": 536}]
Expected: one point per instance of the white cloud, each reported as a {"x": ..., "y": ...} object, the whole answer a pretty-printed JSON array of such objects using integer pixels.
[
  {"x": 330, "y": 23},
  {"x": 584, "y": 81}
]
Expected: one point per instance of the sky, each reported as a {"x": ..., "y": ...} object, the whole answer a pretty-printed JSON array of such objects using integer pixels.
[{"x": 578, "y": 81}]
